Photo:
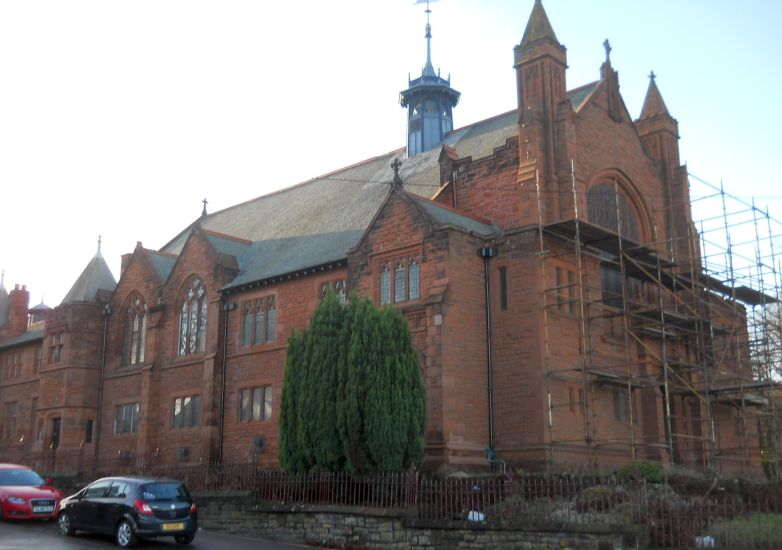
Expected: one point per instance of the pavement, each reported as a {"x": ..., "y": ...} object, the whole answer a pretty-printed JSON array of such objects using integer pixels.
[{"x": 42, "y": 535}]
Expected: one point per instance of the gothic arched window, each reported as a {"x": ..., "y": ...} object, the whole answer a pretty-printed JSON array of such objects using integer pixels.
[
  {"x": 607, "y": 206},
  {"x": 134, "y": 333},
  {"x": 192, "y": 319}
]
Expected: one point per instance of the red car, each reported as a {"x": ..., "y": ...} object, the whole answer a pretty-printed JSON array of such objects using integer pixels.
[{"x": 26, "y": 495}]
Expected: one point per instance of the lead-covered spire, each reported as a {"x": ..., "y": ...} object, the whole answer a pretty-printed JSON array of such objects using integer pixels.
[{"x": 429, "y": 100}]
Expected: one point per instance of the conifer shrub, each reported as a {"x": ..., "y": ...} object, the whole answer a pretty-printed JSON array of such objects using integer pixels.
[
  {"x": 651, "y": 472},
  {"x": 353, "y": 398}
]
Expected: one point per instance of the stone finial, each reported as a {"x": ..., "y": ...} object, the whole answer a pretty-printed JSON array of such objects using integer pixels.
[
  {"x": 607, "y": 46},
  {"x": 203, "y": 212},
  {"x": 396, "y": 165}
]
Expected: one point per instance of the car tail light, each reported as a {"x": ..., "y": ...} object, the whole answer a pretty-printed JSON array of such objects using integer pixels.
[
  {"x": 142, "y": 507},
  {"x": 193, "y": 508}
]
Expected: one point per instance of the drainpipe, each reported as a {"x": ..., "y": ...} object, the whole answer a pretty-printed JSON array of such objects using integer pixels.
[
  {"x": 488, "y": 252},
  {"x": 227, "y": 307},
  {"x": 106, "y": 313}
]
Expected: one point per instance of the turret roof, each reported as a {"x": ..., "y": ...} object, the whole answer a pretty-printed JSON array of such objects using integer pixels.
[
  {"x": 96, "y": 276},
  {"x": 653, "y": 103},
  {"x": 538, "y": 26}
]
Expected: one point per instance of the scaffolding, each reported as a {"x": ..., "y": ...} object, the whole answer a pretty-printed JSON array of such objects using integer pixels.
[{"x": 679, "y": 348}]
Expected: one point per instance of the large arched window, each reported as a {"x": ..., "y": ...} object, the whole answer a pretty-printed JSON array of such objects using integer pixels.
[
  {"x": 134, "y": 332},
  {"x": 607, "y": 206},
  {"x": 192, "y": 319}
]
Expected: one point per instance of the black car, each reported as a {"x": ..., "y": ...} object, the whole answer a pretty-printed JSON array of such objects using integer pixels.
[{"x": 131, "y": 508}]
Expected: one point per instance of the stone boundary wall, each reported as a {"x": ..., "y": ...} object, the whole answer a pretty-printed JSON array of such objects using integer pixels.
[{"x": 362, "y": 528}]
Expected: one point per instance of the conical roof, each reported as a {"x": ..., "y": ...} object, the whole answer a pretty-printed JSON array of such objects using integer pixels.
[
  {"x": 538, "y": 26},
  {"x": 653, "y": 103},
  {"x": 96, "y": 276}
]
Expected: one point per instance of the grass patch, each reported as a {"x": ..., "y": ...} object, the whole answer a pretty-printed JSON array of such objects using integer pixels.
[{"x": 753, "y": 531}]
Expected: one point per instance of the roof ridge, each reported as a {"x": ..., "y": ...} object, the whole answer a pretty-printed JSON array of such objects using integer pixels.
[{"x": 226, "y": 236}]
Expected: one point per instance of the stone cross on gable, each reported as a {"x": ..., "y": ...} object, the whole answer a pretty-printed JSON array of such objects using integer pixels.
[
  {"x": 607, "y": 46},
  {"x": 652, "y": 76},
  {"x": 396, "y": 165},
  {"x": 203, "y": 212}
]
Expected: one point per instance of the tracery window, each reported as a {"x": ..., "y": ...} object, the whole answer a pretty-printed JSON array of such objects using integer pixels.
[
  {"x": 407, "y": 280},
  {"x": 135, "y": 332},
  {"x": 192, "y": 319}
]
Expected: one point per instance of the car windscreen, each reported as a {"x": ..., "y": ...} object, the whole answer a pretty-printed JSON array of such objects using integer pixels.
[
  {"x": 20, "y": 477},
  {"x": 164, "y": 491}
]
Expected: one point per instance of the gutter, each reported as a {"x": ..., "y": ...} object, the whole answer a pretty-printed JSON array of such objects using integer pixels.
[
  {"x": 99, "y": 416},
  {"x": 227, "y": 307},
  {"x": 487, "y": 253}
]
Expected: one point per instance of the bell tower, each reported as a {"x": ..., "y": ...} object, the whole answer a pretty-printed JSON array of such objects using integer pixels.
[{"x": 429, "y": 100}]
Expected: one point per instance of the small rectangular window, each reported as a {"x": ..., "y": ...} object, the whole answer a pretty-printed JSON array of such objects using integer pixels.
[
  {"x": 88, "y": 431},
  {"x": 620, "y": 404},
  {"x": 247, "y": 327},
  {"x": 560, "y": 300},
  {"x": 256, "y": 404},
  {"x": 415, "y": 280},
  {"x": 503, "y": 289},
  {"x": 571, "y": 399},
  {"x": 126, "y": 420},
  {"x": 385, "y": 286},
  {"x": 267, "y": 403},
  {"x": 571, "y": 292},
  {"x": 271, "y": 323},
  {"x": 399, "y": 283},
  {"x": 260, "y": 324},
  {"x": 244, "y": 414},
  {"x": 178, "y": 413},
  {"x": 187, "y": 406}
]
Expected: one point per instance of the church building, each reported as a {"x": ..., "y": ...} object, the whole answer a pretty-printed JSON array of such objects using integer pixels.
[{"x": 546, "y": 260}]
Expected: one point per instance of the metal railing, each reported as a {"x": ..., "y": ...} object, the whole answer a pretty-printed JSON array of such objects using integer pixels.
[{"x": 727, "y": 520}]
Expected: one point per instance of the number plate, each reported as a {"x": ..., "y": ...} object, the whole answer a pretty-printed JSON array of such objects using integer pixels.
[
  {"x": 43, "y": 509},
  {"x": 173, "y": 526}
]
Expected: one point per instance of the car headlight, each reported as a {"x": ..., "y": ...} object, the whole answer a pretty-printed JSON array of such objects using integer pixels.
[{"x": 16, "y": 500}]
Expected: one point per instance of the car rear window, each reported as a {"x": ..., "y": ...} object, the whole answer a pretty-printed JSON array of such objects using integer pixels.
[
  {"x": 164, "y": 491},
  {"x": 20, "y": 477}
]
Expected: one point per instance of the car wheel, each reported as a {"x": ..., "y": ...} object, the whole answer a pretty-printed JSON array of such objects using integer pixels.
[
  {"x": 184, "y": 539},
  {"x": 126, "y": 536},
  {"x": 65, "y": 525}
]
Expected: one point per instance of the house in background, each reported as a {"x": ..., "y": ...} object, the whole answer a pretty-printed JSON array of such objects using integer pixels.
[{"x": 546, "y": 260}]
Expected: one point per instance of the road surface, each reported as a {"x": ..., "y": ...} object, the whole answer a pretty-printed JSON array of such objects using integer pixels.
[{"x": 42, "y": 535}]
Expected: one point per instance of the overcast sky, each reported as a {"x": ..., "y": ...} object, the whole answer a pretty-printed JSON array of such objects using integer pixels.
[{"x": 118, "y": 118}]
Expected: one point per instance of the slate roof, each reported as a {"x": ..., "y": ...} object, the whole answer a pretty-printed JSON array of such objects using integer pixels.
[
  {"x": 448, "y": 217},
  {"x": 317, "y": 222},
  {"x": 162, "y": 263},
  {"x": 96, "y": 276},
  {"x": 29, "y": 336}
]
